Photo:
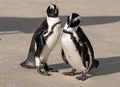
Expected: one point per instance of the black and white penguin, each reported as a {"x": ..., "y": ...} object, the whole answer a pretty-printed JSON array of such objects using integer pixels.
[
  {"x": 43, "y": 41},
  {"x": 76, "y": 48}
]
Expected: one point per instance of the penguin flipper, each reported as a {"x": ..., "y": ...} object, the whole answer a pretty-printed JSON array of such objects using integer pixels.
[
  {"x": 40, "y": 42},
  {"x": 63, "y": 56},
  {"x": 84, "y": 55},
  {"x": 85, "y": 39},
  {"x": 30, "y": 60}
]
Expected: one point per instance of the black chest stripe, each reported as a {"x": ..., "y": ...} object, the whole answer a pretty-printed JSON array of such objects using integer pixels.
[
  {"x": 78, "y": 47},
  {"x": 46, "y": 37}
]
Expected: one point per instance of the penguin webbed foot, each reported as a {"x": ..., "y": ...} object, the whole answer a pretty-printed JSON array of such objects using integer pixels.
[
  {"x": 72, "y": 73},
  {"x": 44, "y": 69},
  {"x": 49, "y": 69},
  {"x": 39, "y": 69},
  {"x": 45, "y": 73},
  {"x": 82, "y": 77}
]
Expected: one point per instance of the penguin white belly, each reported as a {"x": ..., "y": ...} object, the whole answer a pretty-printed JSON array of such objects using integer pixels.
[
  {"x": 50, "y": 43},
  {"x": 71, "y": 53}
]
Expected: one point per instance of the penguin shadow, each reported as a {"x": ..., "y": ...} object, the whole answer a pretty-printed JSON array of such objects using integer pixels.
[
  {"x": 93, "y": 20},
  {"x": 19, "y": 24},
  {"x": 60, "y": 66},
  {"x": 98, "y": 20},
  {"x": 108, "y": 65},
  {"x": 29, "y": 25}
]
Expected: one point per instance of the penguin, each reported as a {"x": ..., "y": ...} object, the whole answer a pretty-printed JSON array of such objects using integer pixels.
[
  {"x": 76, "y": 48},
  {"x": 43, "y": 41}
]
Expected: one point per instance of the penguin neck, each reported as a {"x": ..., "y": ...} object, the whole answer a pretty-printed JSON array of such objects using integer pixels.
[
  {"x": 70, "y": 29},
  {"x": 52, "y": 20}
]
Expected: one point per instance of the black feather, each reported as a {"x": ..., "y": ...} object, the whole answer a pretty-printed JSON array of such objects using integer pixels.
[{"x": 30, "y": 61}]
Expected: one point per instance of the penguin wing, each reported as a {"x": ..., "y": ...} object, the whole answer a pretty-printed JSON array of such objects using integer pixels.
[
  {"x": 63, "y": 56},
  {"x": 83, "y": 38},
  {"x": 87, "y": 53},
  {"x": 40, "y": 42},
  {"x": 38, "y": 33},
  {"x": 84, "y": 53}
]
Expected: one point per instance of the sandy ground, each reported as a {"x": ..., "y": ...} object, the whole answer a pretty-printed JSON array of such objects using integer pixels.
[{"x": 20, "y": 18}]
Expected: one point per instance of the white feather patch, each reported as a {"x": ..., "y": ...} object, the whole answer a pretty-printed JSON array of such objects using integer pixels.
[
  {"x": 66, "y": 26},
  {"x": 77, "y": 18},
  {"x": 35, "y": 47},
  {"x": 51, "y": 6},
  {"x": 51, "y": 21},
  {"x": 37, "y": 61}
]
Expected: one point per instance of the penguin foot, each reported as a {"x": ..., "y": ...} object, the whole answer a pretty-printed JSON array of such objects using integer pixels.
[
  {"x": 48, "y": 68},
  {"x": 69, "y": 73},
  {"x": 27, "y": 64},
  {"x": 82, "y": 77},
  {"x": 45, "y": 73},
  {"x": 72, "y": 73}
]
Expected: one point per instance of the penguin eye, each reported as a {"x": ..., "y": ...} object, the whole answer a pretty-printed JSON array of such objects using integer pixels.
[{"x": 76, "y": 22}]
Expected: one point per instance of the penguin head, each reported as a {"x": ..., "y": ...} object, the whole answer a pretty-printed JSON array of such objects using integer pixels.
[
  {"x": 73, "y": 20},
  {"x": 52, "y": 11}
]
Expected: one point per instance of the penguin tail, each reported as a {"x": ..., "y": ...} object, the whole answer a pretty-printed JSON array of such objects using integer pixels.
[{"x": 96, "y": 63}]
